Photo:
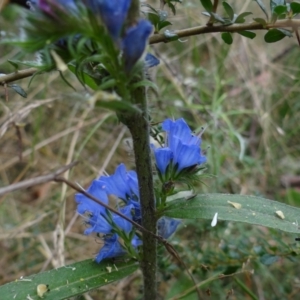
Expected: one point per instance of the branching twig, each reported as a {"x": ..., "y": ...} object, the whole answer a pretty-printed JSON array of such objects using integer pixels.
[
  {"x": 211, "y": 19},
  {"x": 161, "y": 38},
  {"x": 36, "y": 181},
  {"x": 17, "y": 75}
]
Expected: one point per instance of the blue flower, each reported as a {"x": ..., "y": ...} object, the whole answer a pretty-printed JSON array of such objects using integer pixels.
[
  {"x": 124, "y": 185},
  {"x": 85, "y": 204},
  {"x": 136, "y": 241},
  {"x": 167, "y": 226},
  {"x": 134, "y": 42},
  {"x": 182, "y": 149},
  {"x": 151, "y": 61},
  {"x": 111, "y": 248},
  {"x": 97, "y": 214},
  {"x": 113, "y": 14}
]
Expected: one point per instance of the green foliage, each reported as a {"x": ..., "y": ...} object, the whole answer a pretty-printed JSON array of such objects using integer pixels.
[
  {"x": 276, "y": 3},
  {"x": 171, "y": 5},
  {"x": 260, "y": 21},
  {"x": 241, "y": 18},
  {"x": 18, "y": 90},
  {"x": 262, "y": 7},
  {"x": 269, "y": 259},
  {"x": 207, "y": 4},
  {"x": 227, "y": 37},
  {"x": 295, "y": 7},
  {"x": 68, "y": 281},
  {"x": 229, "y": 10},
  {"x": 276, "y": 34},
  {"x": 248, "y": 34},
  {"x": 238, "y": 208}
]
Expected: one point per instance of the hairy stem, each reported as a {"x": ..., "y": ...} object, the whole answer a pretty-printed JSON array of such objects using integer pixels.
[
  {"x": 138, "y": 125},
  {"x": 139, "y": 128}
]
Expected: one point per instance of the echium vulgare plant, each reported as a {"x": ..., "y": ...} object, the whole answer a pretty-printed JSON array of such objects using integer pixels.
[
  {"x": 177, "y": 159},
  {"x": 104, "y": 43}
]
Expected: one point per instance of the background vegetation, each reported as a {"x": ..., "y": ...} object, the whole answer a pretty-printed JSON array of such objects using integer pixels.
[{"x": 246, "y": 97}]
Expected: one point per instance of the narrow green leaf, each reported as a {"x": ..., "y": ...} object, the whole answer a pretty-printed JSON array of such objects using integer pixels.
[
  {"x": 115, "y": 105},
  {"x": 14, "y": 64},
  {"x": 268, "y": 259},
  {"x": 274, "y": 35},
  {"x": 153, "y": 18},
  {"x": 68, "y": 281},
  {"x": 163, "y": 24},
  {"x": 241, "y": 18},
  {"x": 247, "y": 34},
  {"x": 295, "y": 7},
  {"x": 207, "y": 4},
  {"x": 262, "y": 7},
  {"x": 108, "y": 84},
  {"x": 260, "y": 21},
  {"x": 239, "y": 208},
  {"x": 18, "y": 90},
  {"x": 227, "y": 38},
  {"x": 229, "y": 10},
  {"x": 33, "y": 64},
  {"x": 84, "y": 77},
  {"x": 145, "y": 83},
  {"x": 150, "y": 7},
  {"x": 220, "y": 19},
  {"x": 280, "y": 9}
]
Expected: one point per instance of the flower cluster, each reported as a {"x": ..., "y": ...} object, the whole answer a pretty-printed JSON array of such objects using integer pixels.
[
  {"x": 133, "y": 43},
  {"x": 113, "y": 13},
  {"x": 123, "y": 185},
  {"x": 181, "y": 151}
]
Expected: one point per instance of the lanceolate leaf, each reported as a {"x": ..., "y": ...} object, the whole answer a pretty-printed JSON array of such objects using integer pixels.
[
  {"x": 241, "y": 18},
  {"x": 248, "y": 34},
  {"x": 227, "y": 38},
  {"x": 207, "y": 4},
  {"x": 229, "y": 10},
  {"x": 260, "y": 21},
  {"x": 18, "y": 90},
  {"x": 274, "y": 35},
  {"x": 239, "y": 208},
  {"x": 68, "y": 281}
]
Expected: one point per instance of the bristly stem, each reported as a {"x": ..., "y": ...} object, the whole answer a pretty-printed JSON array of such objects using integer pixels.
[{"x": 138, "y": 124}]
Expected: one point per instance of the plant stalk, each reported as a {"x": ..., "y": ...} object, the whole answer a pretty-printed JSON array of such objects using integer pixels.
[{"x": 138, "y": 124}]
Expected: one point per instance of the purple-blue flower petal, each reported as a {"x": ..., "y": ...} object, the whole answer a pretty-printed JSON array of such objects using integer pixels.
[
  {"x": 121, "y": 222},
  {"x": 163, "y": 157},
  {"x": 187, "y": 156},
  {"x": 85, "y": 204},
  {"x": 151, "y": 61},
  {"x": 167, "y": 226},
  {"x": 111, "y": 248},
  {"x": 136, "y": 241},
  {"x": 134, "y": 43},
  {"x": 113, "y": 14}
]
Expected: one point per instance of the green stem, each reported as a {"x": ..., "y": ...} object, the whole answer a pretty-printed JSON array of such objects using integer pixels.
[
  {"x": 138, "y": 125},
  {"x": 139, "y": 128}
]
